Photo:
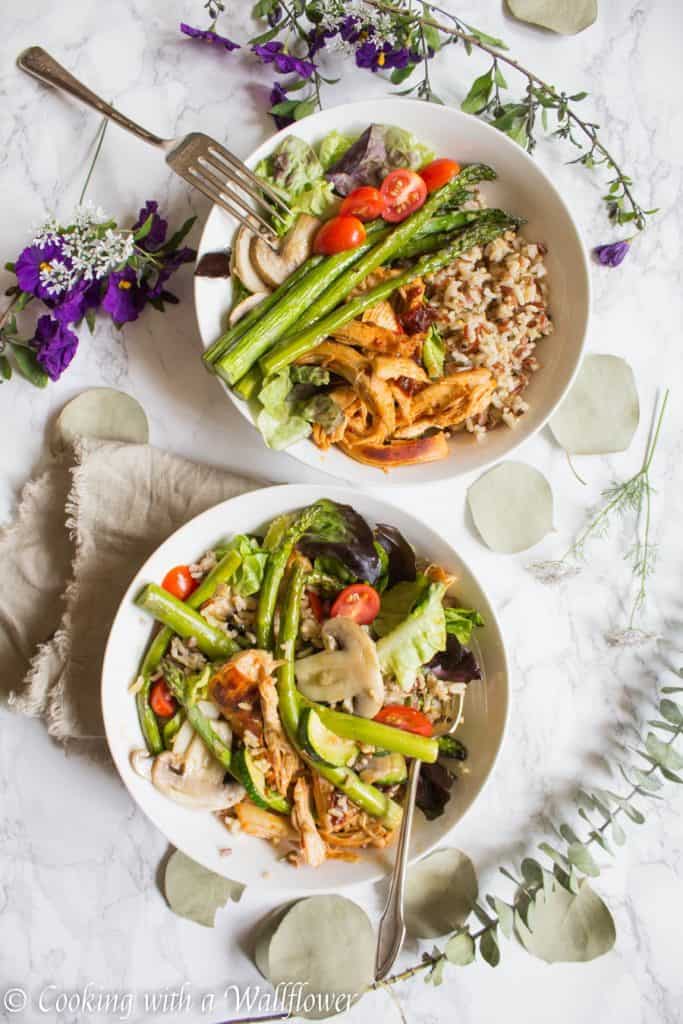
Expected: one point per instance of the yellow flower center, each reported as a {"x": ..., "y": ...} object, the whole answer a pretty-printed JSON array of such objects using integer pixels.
[
  {"x": 380, "y": 59},
  {"x": 125, "y": 285},
  {"x": 45, "y": 267}
]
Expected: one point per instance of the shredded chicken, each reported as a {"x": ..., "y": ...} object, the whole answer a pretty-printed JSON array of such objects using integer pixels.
[
  {"x": 448, "y": 402},
  {"x": 235, "y": 689},
  {"x": 283, "y": 758},
  {"x": 370, "y": 336},
  {"x": 313, "y": 849},
  {"x": 382, "y": 314}
]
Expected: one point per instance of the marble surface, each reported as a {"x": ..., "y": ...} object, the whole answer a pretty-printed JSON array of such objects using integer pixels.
[{"x": 79, "y": 903}]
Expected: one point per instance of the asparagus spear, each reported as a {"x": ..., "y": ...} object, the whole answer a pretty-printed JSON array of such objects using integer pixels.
[
  {"x": 222, "y": 344},
  {"x": 186, "y": 622},
  {"x": 369, "y": 798},
  {"x": 296, "y": 345},
  {"x": 221, "y": 573},
  {"x": 389, "y": 246},
  {"x": 384, "y": 737},
  {"x": 275, "y": 568},
  {"x": 266, "y": 331},
  {"x": 184, "y": 692}
]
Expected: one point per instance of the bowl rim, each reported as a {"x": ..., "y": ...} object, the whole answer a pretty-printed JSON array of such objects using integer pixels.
[
  {"x": 302, "y": 494},
  {"x": 445, "y": 469}
]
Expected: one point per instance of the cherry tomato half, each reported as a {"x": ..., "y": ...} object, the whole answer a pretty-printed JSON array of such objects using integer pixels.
[
  {"x": 317, "y": 605},
  {"x": 408, "y": 719},
  {"x": 404, "y": 192},
  {"x": 359, "y": 602},
  {"x": 439, "y": 172},
  {"x": 365, "y": 202},
  {"x": 161, "y": 700},
  {"x": 339, "y": 234},
  {"x": 180, "y": 582}
]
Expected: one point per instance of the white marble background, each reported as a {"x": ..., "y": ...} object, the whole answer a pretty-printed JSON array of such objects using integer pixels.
[{"x": 78, "y": 896}]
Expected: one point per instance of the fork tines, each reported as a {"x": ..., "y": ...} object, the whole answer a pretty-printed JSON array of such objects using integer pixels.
[{"x": 211, "y": 169}]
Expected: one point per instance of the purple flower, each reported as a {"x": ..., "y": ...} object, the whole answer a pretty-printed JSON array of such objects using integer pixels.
[
  {"x": 156, "y": 235},
  {"x": 370, "y": 55},
  {"x": 271, "y": 53},
  {"x": 55, "y": 346},
  {"x": 125, "y": 297},
  {"x": 208, "y": 36},
  {"x": 278, "y": 95},
  {"x": 613, "y": 254},
  {"x": 349, "y": 28},
  {"x": 73, "y": 306},
  {"x": 29, "y": 265}
]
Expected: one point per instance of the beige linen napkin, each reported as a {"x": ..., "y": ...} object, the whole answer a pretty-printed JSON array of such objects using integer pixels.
[{"x": 81, "y": 533}]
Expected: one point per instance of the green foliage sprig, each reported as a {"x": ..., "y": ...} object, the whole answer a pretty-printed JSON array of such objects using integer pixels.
[{"x": 549, "y": 896}]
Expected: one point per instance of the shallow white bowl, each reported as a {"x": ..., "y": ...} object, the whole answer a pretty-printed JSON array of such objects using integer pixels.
[
  {"x": 522, "y": 188},
  {"x": 198, "y": 833}
]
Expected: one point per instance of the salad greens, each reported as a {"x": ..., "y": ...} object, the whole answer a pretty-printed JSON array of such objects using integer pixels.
[
  {"x": 434, "y": 353},
  {"x": 295, "y": 170},
  {"x": 399, "y": 553},
  {"x": 380, "y": 149},
  {"x": 461, "y": 621},
  {"x": 288, "y": 407},
  {"x": 340, "y": 533},
  {"x": 398, "y": 603},
  {"x": 403, "y": 651},
  {"x": 248, "y": 576}
]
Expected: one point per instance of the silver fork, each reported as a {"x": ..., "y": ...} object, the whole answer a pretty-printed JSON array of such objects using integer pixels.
[
  {"x": 196, "y": 157},
  {"x": 392, "y": 929}
]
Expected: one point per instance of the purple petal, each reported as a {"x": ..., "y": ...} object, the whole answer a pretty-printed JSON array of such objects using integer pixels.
[
  {"x": 613, "y": 254},
  {"x": 208, "y": 36}
]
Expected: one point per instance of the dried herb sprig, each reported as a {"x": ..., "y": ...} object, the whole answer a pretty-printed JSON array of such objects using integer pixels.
[
  {"x": 545, "y": 894},
  {"x": 632, "y": 496}
]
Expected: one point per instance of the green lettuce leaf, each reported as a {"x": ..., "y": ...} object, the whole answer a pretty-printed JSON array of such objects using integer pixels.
[
  {"x": 416, "y": 640},
  {"x": 460, "y": 622},
  {"x": 333, "y": 147},
  {"x": 433, "y": 353},
  {"x": 295, "y": 171},
  {"x": 283, "y": 420},
  {"x": 248, "y": 577},
  {"x": 405, "y": 150},
  {"x": 398, "y": 602}
]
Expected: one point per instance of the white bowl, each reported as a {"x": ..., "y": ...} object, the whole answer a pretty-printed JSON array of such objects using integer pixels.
[
  {"x": 523, "y": 189},
  {"x": 198, "y": 833}
]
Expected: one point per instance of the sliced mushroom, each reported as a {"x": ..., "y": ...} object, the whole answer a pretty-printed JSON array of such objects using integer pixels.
[
  {"x": 242, "y": 263},
  {"x": 141, "y": 763},
  {"x": 195, "y": 779},
  {"x": 347, "y": 670},
  {"x": 243, "y": 307},
  {"x": 296, "y": 246}
]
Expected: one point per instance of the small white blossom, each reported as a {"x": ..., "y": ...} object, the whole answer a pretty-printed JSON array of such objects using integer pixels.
[
  {"x": 553, "y": 571},
  {"x": 630, "y": 637},
  {"x": 56, "y": 277}
]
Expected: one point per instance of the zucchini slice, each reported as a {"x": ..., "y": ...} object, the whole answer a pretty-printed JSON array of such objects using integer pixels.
[
  {"x": 324, "y": 745},
  {"x": 252, "y": 777},
  {"x": 386, "y": 770}
]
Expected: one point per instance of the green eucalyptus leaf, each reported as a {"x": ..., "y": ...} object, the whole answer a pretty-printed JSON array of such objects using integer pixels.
[
  {"x": 650, "y": 783},
  {"x": 5, "y": 368},
  {"x": 581, "y": 859},
  {"x": 601, "y": 412},
  {"x": 435, "y": 976},
  {"x": 672, "y": 689},
  {"x": 459, "y": 949},
  {"x": 618, "y": 834},
  {"x": 566, "y": 17},
  {"x": 441, "y": 891},
  {"x": 532, "y": 872},
  {"x": 555, "y": 855},
  {"x": 505, "y": 914},
  {"x": 102, "y": 414},
  {"x": 194, "y": 892},
  {"x": 671, "y": 776},
  {"x": 658, "y": 724},
  {"x": 488, "y": 947},
  {"x": 568, "y": 927},
  {"x": 512, "y": 507},
  {"x": 324, "y": 943},
  {"x": 663, "y": 753},
  {"x": 568, "y": 834},
  {"x": 599, "y": 838},
  {"x": 672, "y": 711}
]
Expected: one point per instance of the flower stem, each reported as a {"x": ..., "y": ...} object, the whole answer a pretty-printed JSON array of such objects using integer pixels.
[{"x": 98, "y": 146}]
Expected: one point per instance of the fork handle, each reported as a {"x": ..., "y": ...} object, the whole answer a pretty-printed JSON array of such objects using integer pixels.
[
  {"x": 392, "y": 929},
  {"x": 37, "y": 62}
]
